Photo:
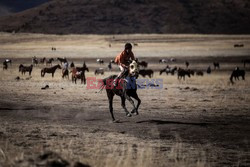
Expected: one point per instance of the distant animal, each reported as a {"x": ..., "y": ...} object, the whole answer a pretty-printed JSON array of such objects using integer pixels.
[
  {"x": 53, "y": 49},
  {"x": 79, "y": 73},
  {"x": 135, "y": 44},
  {"x": 65, "y": 73},
  {"x": 34, "y": 60},
  {"x": 62, "y": 60},
  {"x": 199, "y": 73},
  {"x": 162, "y": 61},
  {"x": 216, "y": 65},
  {"x": 110, "y": 66},
  {"x": 42, "y": 61},
  {"x": 23, "y": 69},
  {"x": 181, "y": 73},
  {"x": 99, "y": 71},
  {"x": 146, "y": 72},
  {"x": 143, "y": 64},
  {"x": 72, "y": 65},
  {"x": 187, "y": 64},
  {"x": 100, "y": 61},
  {"x": 209, "y": 70},
  {"x": 168, "y": 70},
  {"x": 238, "y": 45},
  {"x": 49, "y": 61},
  {"x": 236, "y": 74},
  {"x": 8, "y": 61},
  {"x": 245, "y": 61},
  {"x": 50, "y": 70},
  {"x": 112, "y": 61},
  {"x": 5, "y": 65},
  {"x": 126, "y": 89},
  {"x": 173, "y": 59}
]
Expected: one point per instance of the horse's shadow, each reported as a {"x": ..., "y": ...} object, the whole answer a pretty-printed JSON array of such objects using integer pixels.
[{"x": 163, "y": 122}]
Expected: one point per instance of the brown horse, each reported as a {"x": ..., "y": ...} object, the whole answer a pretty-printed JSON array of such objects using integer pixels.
[
  {"x": 79, "y": 73},
  {"x": 23, "y": 69},
  {"x": 123, "y": 90},
  {"x": 49, "y": 61},
  {"x": 50, "y": 70}
]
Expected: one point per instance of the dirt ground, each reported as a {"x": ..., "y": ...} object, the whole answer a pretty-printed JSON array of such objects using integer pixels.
[{"x": 202, "y": 121}]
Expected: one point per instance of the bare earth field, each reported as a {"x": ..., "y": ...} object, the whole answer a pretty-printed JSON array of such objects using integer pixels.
[{"x": 202, "y": 121}]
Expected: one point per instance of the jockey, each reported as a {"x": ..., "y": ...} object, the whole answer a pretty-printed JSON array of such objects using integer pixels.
[{"x": 123, "y": 60}]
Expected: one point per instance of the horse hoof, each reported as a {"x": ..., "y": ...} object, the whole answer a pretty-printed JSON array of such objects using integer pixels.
[
  {"x": 129, "y": 115},
  {"x": 116, "y": 121},
  {"x": 135, "y": 112}
]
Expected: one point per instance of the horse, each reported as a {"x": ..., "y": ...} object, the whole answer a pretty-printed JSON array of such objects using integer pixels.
[
  {"x": 49, "y": 61},
  {"x": 5, "y": 65},
  {"x": 62, "y": 60},
  {"x": 236, "y": 74},
  {"x": 100, "y": 61},
  {"x": 123, "y": 90},
  {"x": 199, "y": 73},
  {"x": 162, "y": 61},
  {"x": 143, "y": 64},
  {"x": 245, "y": 61},
  {"x": 65, "y": 72},
  {"x": 42, "y": 60},
  {"x": 216, "y": 65},
  {"x": 238, "y": 45},
  {"x": 147, "y": 72},
  {"x": 34, "y": 60},
  {"x": 168, "y": 70},
  {"x": 79, "y": 73},
  {"x": 209, "y": 70},
  {"x": 99, "y": 71},
  {"x": 187, "y": 64},
  {"x": 110, "y": 66},
  {"x": 23, "y": 69},
  {"x": 8, "y": 61},
  {"x": 182, "y": 73},
  {"x": 72, "y": 65},
  {"x": 50, "y": 70}
]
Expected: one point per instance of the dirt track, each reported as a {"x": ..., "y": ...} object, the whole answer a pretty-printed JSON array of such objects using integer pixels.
[{"x": 203, "y": 121}]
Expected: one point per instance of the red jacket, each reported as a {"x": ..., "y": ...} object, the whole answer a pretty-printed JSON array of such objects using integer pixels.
[{"x": 123, "y": 57}]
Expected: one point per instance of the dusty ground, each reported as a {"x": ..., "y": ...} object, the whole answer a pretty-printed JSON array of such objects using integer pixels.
[{"x": 203, "y": 121}]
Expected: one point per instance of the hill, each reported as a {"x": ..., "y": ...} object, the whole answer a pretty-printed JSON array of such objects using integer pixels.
[{"x": 132, "y": 16}]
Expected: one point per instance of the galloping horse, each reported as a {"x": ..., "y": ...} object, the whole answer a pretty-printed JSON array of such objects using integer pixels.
[
  {"x": 50, "y": 70},
  {"x": 123, "y": 90},
  {"x": 23, "y": 69}
]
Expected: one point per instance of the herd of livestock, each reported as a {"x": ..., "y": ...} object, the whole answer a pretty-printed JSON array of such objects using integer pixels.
[{"x": 79, "y": 72}]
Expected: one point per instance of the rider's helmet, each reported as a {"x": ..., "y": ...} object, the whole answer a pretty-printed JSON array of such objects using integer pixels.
[{"x": 128, "y": 46}]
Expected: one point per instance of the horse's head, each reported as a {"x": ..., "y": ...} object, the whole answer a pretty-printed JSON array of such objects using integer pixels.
[
  {"x": 58, "y": 66},
  {"x": 133, "y": 68}
]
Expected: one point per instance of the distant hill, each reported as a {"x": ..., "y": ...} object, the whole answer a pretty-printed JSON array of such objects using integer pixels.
[
  {"x": 13, "y": 6},
  {"x": 132, "y": 16}
]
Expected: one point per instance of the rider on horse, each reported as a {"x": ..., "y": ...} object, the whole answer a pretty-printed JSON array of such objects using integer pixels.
[{"x": 123, "y": 61}]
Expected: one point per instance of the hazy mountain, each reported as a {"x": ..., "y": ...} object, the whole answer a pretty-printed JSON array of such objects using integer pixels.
[
  {"x": 132, "y": 16},
  {"x": 13, "y": 6}
]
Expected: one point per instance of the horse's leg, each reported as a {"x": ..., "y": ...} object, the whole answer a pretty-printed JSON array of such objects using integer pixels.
[
  {"x": 123, "y": 99},
  {"x": 135, "y": 96},
  {"x": 130, "y": 100},
  {"x": 53, "y": 74},
  {"x": 110, "y": 95}
]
